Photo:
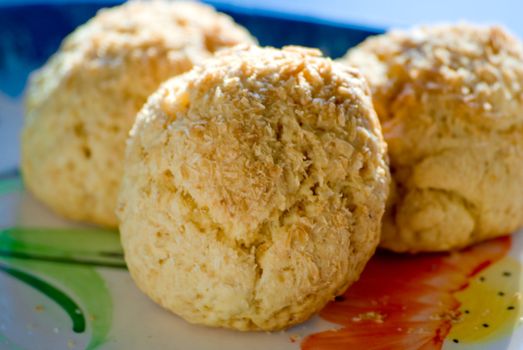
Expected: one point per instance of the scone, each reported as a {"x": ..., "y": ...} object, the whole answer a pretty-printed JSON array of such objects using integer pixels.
[
  {"x": 81, "y": 105},
  {"x": 450, "y": 100},
  {"x": 253, "y": 188}
]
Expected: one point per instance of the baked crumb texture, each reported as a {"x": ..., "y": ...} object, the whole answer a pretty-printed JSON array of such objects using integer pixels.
[
  {"x": 254, "y": 188},
  {"x": 450, "y": 100},
  {"x": 81, "y": 105}
]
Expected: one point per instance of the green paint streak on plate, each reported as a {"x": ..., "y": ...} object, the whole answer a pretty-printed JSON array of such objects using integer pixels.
[
  {"x": 88, "y": 246},
  {"x": 83, "y": 284},
  {"x": 65, "y": 259},
  {"x": 11, "y": 185},
  {"x": 68, "y": 305}
]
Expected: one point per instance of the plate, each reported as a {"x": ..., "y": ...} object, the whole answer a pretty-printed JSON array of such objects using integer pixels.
[{"x": 65, "y": 286}]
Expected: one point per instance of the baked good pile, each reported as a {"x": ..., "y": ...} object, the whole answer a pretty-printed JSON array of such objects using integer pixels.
[{"x": 251, "y": 184}]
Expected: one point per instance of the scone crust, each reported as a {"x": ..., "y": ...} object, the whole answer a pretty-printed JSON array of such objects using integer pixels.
[
  {"x": 81, "y": 105},
  {"x": 450, "y": 100},
  {"x": 253, "y": 188}
]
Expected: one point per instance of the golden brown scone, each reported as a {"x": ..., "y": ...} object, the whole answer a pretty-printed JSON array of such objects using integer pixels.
[
  {"x": 81, "y": 105},
  {"x": 253, "y": 188},
  {"x": 450, "y": 100}
]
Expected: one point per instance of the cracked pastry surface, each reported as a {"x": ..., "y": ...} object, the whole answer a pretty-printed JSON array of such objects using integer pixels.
[
  {"x": 450, "y": 100},
  {"x": 81, "y": 105},
  {"x": 253, "y": 188}
]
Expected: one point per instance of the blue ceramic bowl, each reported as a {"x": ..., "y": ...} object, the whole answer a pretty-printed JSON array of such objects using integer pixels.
[{"x": 29, "y": 34}]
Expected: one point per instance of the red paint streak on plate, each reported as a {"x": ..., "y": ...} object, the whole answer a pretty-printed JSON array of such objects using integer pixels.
[{"x": 404, "y": 302}]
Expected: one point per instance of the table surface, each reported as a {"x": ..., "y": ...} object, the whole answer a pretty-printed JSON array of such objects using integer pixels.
[{"x": 382, "y": 13}]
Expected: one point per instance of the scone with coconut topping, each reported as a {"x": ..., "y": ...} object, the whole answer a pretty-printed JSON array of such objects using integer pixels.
[
  {"x": 253, "y": 188},
  {"x": 450, "y": 100},
  {"x": 81, "y": 105}
]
